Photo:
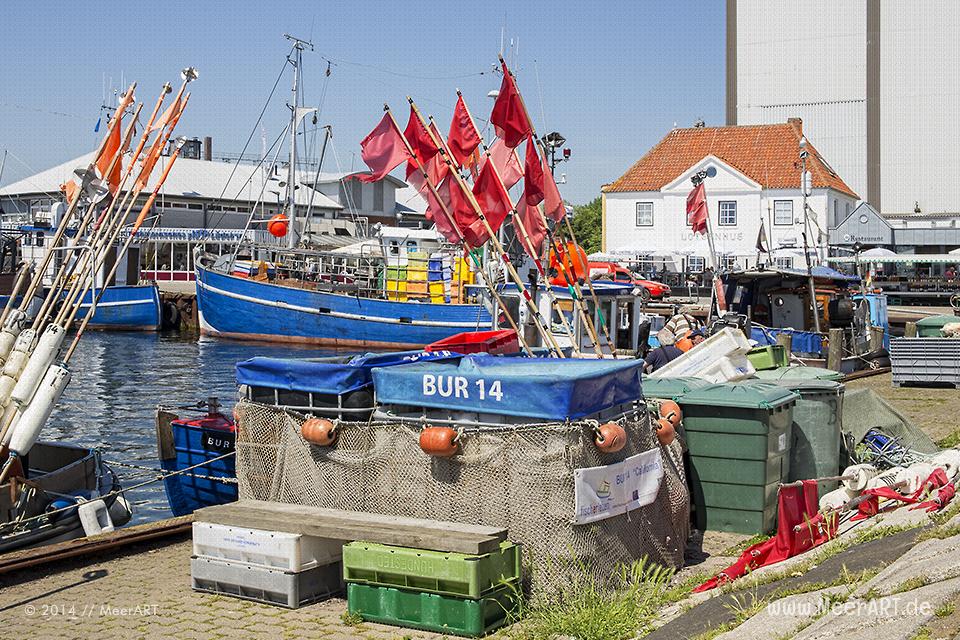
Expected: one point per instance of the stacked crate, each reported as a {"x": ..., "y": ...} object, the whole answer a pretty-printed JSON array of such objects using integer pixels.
[
  {"x": 460, "y": 276},
  {"x": 417, "y": 288},
  {"x": 438, "y": 278},
  {"x": 272, "y": 567},
  {"x": 456, "y": 593}
]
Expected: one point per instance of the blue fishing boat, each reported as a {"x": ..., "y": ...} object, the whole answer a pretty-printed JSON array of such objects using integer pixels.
[{"x": 125, "y": 307}]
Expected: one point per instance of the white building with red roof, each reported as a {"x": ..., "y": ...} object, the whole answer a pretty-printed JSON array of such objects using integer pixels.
[{"x": 757, "y": 178}]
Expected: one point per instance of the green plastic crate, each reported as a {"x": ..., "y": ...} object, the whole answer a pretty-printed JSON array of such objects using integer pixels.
[
  {"x": 432, "y": 612},
  {"x": 453, "y": 574},
  {"x": 930, "y": 326},
  {"x": 671, "y": 388},
  {"x": 771, "y": 356},
  {"x": 799, "y": 373}
]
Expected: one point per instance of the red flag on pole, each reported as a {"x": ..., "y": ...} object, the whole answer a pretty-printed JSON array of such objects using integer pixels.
[
  {"x": 533, "y": 187},
  {"x": 436, "y": 213},
  {"x": 506, "y": 162},
  {"x": 697, "y": 209},
  {"x": 552, "y": 202},
  {"x": 464, "y": 137},
  {"x": 532, "y": 221},
  {"x": 382, "y": 150},
  {"x": 420, "y": 141},
  {"x": 494, "y": 203},
  {"x": 109, "y": 151},
  {"x": 508, "y": 117}
]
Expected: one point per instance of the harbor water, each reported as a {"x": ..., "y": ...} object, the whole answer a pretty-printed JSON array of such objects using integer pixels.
[{"x": 120, "y": 378}]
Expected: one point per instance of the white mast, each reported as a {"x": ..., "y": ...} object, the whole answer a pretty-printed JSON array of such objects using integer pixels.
[{"x": 296, "y": 115}]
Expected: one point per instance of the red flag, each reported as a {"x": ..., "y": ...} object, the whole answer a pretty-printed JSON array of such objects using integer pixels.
[
  {"x": 464, "y": 137},
  {"x": 509, "y": 118},
  {"x": 421, "y": 143},
  {"x": 506, "y": 162},
  {"x": 697, "y": 209},
  {"x": 382, "y": 150},
  {"x": 111, "y": 149},
  {"x": 552, "y": 202},
  {"x": 532, "y": 222},
  {"x": 435, "y": 211},
  {"x": 533, "y": 187},
  {"x": 494, "y": 203}
]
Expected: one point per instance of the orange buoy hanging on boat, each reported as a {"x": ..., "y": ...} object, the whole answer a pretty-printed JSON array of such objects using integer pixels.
[
  {"x": 666, "y": 433},
  {"x": 670, "y": 410},
  {"x": 440, "y": 442},
  {"x": 574, "y": 260},
  {"x": 319, "y": 431},
  {"x": 610, "y": 437},
  {"x": 278, "y": 225}
]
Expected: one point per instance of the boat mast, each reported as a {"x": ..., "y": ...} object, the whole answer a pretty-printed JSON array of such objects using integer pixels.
[{"x": 296, "y": 114}]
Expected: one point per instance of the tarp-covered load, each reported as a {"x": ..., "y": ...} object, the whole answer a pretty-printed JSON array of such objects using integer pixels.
[{"x": 544, "y": 388}]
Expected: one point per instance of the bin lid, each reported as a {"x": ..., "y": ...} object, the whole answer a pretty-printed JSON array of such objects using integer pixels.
[
  {"x": 548, "y": 388},
  {"x": 802, "y": 386},
  {"x": 795, "y": 372},
  {"x": 937, "y": 321},
  {"x": 749, "y": 394},
  {"x": 671, "y": 388},
  {"x": 332, "y": 375}
]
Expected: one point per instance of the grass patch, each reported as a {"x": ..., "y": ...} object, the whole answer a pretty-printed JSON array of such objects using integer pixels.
[
  {"x": 740, "y": 547},
  {"x": 909, "y": 585},
  {"x": 882, "y": 531},
  {"x": 923, "y": 634},
  {"x": 950, "y": 441},
  {"x": 587, "y": 611},
  {"x": 351, "y": 619},
  {"x": 944, "y": 610}
]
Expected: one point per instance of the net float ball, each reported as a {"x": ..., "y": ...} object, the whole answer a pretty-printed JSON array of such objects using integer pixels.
[
  {"x": 666, "y": 433},
  {"x": 670, "y": 410},
  {"x": 278, "y": 225},
  {"x": 610, "y": 437},
  {"x": 319, "y": 431},
  {"x": 440, "y": 442}
]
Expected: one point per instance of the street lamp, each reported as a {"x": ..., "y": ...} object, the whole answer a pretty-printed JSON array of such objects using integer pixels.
[{"x": 553, "y": 141}]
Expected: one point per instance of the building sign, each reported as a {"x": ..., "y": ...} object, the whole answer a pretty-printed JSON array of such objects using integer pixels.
[
  {"x": 194, "y": 235},
  {"x": 722, "y": 236}
]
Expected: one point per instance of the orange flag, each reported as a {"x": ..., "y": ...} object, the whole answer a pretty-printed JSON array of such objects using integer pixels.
[
  {"x": 167, "y": 115},
  {"x": 111, "y": 149},
  {"x": 69, "y": 189},
  {"x": 150, "y": 160}
]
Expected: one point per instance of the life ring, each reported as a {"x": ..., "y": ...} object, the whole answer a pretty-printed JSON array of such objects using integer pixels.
[
  {"x": 319, "y": 431},
  {"x": 610, "y": 437},
  {"x": 440, "y": 442}
]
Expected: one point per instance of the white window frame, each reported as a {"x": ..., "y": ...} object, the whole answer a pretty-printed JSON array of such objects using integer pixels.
[
  {"x": 783, "y": 262},
  {"x": 728, "y": 263},
  {"x": 720, "y": 213},
  {"x": 700, "y": 261},
  {"x": 775, "y": 212},
  {"x": 645, "y": 224}
]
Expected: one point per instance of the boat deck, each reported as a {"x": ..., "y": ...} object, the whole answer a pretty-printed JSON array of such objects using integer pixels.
[{"x": 143, "y": 591}]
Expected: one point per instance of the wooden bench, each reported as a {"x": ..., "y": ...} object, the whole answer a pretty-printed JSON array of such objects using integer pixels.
[{"x": 336, "y": 524}]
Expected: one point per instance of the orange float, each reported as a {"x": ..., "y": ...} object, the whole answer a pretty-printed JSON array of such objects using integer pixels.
[
  {"x": 574, "y": 260},
  {"x": 666, "y": 433},
  {"x": 319, "y": 431},
  {"x": 610, "y": 437},
  {"x": 670, "y": 410},
  {"x": 440, "y": 442},
  {"x": 278, "y": 225}
]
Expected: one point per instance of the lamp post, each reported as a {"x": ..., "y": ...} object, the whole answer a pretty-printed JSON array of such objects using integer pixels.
[
  {"x": 804, "y": 188},
  {"x": 554, "y": 141}
]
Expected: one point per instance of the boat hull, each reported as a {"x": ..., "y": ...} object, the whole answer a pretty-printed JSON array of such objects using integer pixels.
[
  {"x": 125, "y": 308},
  {"x": 197, "y": 443},
  {"x": 242, "y": 308}
]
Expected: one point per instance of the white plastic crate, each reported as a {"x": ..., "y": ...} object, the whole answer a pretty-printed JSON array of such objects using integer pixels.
[
  {"x": 706, "y": 359},
  {"x": 268, "y": 549},
  {"x": 269, "y": 586}
]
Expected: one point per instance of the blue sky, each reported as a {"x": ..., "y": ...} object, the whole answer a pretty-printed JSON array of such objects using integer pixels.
[{"x": 612, "y": 77}]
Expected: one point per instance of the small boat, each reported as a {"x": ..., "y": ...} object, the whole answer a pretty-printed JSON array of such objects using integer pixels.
[
  {"x": 125, "y": 308},
  {"x": 64, "y": 488}
]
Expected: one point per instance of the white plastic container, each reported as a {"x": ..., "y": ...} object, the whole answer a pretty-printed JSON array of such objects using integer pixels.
[
  {"x": 706, "y": 359},
  {"x": 269, "y": 586},
  {"x": 289, "y": 552},
  {"x": 94, "y": 517}
]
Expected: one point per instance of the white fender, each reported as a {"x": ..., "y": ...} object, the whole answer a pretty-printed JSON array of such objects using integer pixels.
[
  {"x": 48, "y": 347},
  {"x": 949, "y": 461},
  {"x": 885, "y": 479},
  {"x": 36, "y": 413},
  {"x": 7, "y": 338},
  {"x": 20, "y": 353},
  {"x": 94, "y": 517},
  {"x": 915, "y": 475},
  {"x": 837, "y": 498},
  {"x": 862, "y": 475},
  {"x": 11, "y": 414}
]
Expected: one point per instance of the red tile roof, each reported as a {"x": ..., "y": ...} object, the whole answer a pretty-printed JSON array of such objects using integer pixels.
[{"x": 767, "y": 154}]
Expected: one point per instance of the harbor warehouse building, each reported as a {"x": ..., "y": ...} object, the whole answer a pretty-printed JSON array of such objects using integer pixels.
[{"x": 757, "y": 178}]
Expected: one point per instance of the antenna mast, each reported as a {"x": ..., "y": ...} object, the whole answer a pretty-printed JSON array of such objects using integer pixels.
[{"x": 296, "y": 113}]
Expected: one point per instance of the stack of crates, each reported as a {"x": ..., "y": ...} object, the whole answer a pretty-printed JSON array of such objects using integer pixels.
[
  {"x": 452, "y": 593},
  {"x": 461, "y": 276},
  {"x": 439, "y": 286},
  {"x": 272, "y": 567},
  {"x": 417, "y": 275}
]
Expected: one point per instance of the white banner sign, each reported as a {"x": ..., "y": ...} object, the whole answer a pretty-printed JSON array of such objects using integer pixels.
[{"x": 604, "y": 492}]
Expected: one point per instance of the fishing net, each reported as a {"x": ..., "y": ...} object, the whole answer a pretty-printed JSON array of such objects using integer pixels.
[
  {"x": 864, "y": 412},
  {"x": 519, "y": 477}
]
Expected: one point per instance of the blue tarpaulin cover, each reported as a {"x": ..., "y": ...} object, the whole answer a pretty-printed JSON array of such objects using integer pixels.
[
  {"x": 546, "y": 388},
  {"x": 325, "y": 375},
  {"x": 802, "y": 341}
]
